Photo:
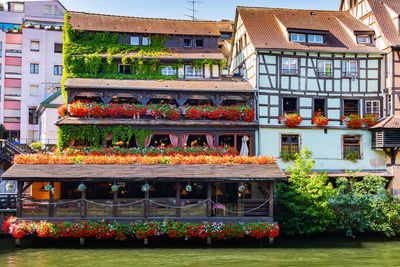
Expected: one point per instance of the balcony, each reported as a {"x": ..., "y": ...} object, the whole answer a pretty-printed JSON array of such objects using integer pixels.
[{"x": 13, "y": 75}]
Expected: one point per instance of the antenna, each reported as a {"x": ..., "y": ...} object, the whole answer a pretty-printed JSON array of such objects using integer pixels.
[{"x": 192, "y": 9}]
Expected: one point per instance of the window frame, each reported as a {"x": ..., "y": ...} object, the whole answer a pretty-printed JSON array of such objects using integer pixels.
[
  {"x": 187, "y": 46},
  {"x": 368, "y": 38},
  {"x": 348, "y": 74},
  {"x": 34, "y": 65},
  {"x": 33, "y": 119},
  {"x": 360, "y": 151},
  {"x": 282, "y": 111},
  {"x": 378, "y": 108},
  {"x": 38, "y": 44},
  {"x": 325, "y": 109},
  {"x": 319, "y": 73},
  {"x": 297, "y": 40},
  {"x": 289, "y": 64},
  {"x": 121, "y": 65},
  {"x": 57, "y": 51},
  {"x": 281, "y": 135},
  {"x": 195, "y": 69},
  {"x": 202, "y": 43},
  {"x": 30, "y": 90},
  {"x": 134, "y": 38},
  {"x": 148, "y": 40},
  {"x": 58, "y": 68},
  {"x": 315, "y": 42},
  {"x": 351, "y": 99},
  {"x": 168, "y": 71}
]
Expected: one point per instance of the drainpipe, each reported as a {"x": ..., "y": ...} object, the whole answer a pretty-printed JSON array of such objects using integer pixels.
[{"x": 258, "y": 102}]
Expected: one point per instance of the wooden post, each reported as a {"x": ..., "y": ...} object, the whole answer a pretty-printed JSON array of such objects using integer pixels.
[
  {"x": 209, "y": 206},
  {"x": 83, "y": 204},
  {"x": 178, "y": 199},
  {"x": 271, "y": 200},
  {"x": 146, "y": 204},
  {"x": 115, "y": 202},
  {"x": 19, "y": 198},
  {"x": 51, "y": 201}
]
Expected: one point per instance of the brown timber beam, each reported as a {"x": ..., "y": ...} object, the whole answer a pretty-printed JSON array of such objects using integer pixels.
[
  {"x": 19, "y": 198},
  {"x": 178, "y": 199},
  {"x": 271, "y": 199},
  {"x": 83, "y": 204},
  {"x": 208, "y": 204},
  {"x": 51, "y": 201}
]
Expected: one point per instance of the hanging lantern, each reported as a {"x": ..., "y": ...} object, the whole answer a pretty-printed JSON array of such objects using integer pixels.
[
  {"x": 188, "y": 188},
  {"x": 145, "y": 187},
  {"x": 241, "y": 188},
  {"x": 9, "y": 186},
  {"x": 81, "y": 187},
  {"x": 114, "y": 188}
]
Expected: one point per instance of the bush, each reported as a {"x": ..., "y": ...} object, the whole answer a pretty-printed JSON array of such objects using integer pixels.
[
  {"x": 37, "y": 146},
  {"x": 303, "y": 205}
]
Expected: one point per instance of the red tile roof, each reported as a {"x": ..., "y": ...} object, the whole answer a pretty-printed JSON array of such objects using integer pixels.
[
  {"x": 391, "y": 122},
  {"x": 111, "y": 23},
  {"x": 267, "y": 29}
]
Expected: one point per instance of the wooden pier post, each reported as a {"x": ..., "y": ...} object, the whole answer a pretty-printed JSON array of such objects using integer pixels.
[
  {"x": 178, "y": 200},
  {"x": 83, "y": 204},
  {"x": 208, "y": 204},
  {"x": 115, "y": 202},
  {"x": 51, "y": 200},
  {"x": 271, "y": 200},
  {"x": 146, "y": 204},
  {"x": 19, "y": 198}
]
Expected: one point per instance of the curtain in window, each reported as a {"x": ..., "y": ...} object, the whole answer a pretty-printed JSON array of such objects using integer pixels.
[
  {"x": 244, "y": 151},
  {"x": 184, "y": 139},
  {"x": 147, "y": 140},
  {"x": 174, "y": 139},
  {"x": 210, "y": 140}
]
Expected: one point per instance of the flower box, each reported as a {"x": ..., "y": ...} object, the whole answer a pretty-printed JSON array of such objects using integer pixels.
[
  {"x": 352, "y": 156},
  {"x": 291, "y": 120},
  {"x": 320, "y": 120},
  {"x": 370, "y": 120},
  {"x": 353, "y": 121}
]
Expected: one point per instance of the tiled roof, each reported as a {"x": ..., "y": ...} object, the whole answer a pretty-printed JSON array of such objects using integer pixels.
[
  {"x": 391, "y": 122},
  {"x": 231, "y": 85},
  {"x": 174, "y": 55},
  {"x": 267, "y": 29},
  {"x": 380, "y": 8},
  {"x": 225, "y": 25},
  {"x": 110, "y": 23}
]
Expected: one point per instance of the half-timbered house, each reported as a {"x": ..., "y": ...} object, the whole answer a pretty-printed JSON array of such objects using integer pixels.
[{"x": 311, "y": 63}]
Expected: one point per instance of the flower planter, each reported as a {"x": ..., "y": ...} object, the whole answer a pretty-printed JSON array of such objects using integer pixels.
[
  {"x": 320, "y": 120},
  {"x": 370, "y": 120},
  {"x": 291, "y": 120},
  {"x": 353, "y": 121}
]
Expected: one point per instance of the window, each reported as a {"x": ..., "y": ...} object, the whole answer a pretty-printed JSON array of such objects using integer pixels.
[
  {"x": 297, "y": 37},
  {"x": 350, "y": 107},
  {"x": 134, "y": 40},
  {"x": 187, "y": 42},
  {"x": 325, "y": 68},
  {"x": 199, "y": 43},
  {"x": 17, "y": 7},
  {"x": 35, "y": 45},
  {"x": 34, "y": 68},
  {"x": 48, "y": 9},
  {"x": 289, "y": 66},
  {"x": 58, "y": 69},
  {"x": 145, "y": 41},
  {"x": 290, "y": 144},
  {"x": 353, "y": 3},
  {"x": 0, "y": 71},
  {"x": 349, "y": 68},
  {"x": 34, "y": 90},
  {"x": 125, "y": 69},
  {"x": 364, "y": 39},
  {"x": 33, "y": 119},
  {"x": 388, "y": 61},
  {"x": 58, "y": 11},
  {"x": 373, "y": 107},
  {"x": 191, "y": 72},
  {"x": 168, "y": 71},
  {"x": 351, "y": 144},
  {"x": 319, "y": 106},
  {"x": 1, "y": 49},
  {"x": 289, "y": 105},
  {"x": 58, "y": 48},
  {"x": 226, "y": 35},
  {"x": 389, "y": 105},
  {"x": 315, "y": 39}
]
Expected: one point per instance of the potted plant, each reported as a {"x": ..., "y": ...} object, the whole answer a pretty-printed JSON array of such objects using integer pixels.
[
  {"x": 353, "y": 121},
  {"x": 370, "y": 120},
  {"x": 352, "y": 156},
  {"x": 287, "y": 157},
  {"x": 320, "y": 120},
  {"x": 291, "y": 120}
]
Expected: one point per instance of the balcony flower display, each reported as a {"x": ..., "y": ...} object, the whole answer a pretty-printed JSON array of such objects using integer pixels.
[
  {"x": 353, "y": 121},
  {"x": 370, "y": 120},
  {"x": 62, "y": 111},
  {"x": 291, "y": 120},
  {"x": 320, "y": 120},
  {"x": 352, "y": 156},
  {"x": 159, "y": 111}
]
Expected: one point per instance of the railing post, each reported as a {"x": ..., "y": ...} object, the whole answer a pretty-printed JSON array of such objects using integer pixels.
[
  {"x": 178, "y": 199},
  {"x": 83, "y": 204},
  {"x": 208, "y": 204},
  {"x": 19, "y": 198},
  {"x": 146, "y": 204},
  {"x": 115, "y": 200},
  {"x": 51, "y": 200},
  {"x": 271, "y": 200}
]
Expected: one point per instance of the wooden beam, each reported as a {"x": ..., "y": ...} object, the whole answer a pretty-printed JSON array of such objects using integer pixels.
[
  {"x": 271, "y": 199},
  {"x": 208, "y": 204},
  {"x": 51, "y": 201},
  {"x": 178, "y": 199},
  {"x": 83, "y": 204},
  {"x": 115, "y": 202},
  {"x": 19, "y": 198},
  {"x": 28, "y": 184},
  {"x": 146, "y": 204}
]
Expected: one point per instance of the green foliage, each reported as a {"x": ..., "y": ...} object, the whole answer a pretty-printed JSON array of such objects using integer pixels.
[
  {"x": 36, "y": 146},
  {"x": 2, "y": 130},
  {"x": 140, "y": 135},
  {"x": 92, "y": 63},
  {"x": 364, "y": 205},
  {"x": 303, "y": 205},
  {"x": 119, "y": 133},
  {"x": 288, "y": 156},
  {"x": 352, "y": 156}
]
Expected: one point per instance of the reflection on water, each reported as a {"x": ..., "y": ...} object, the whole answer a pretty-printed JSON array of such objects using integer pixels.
[{"x": 300, "y": 252}]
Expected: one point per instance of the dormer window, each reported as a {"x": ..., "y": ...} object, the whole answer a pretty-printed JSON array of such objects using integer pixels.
[
  {"x": 364, "y": 39},
  {"x": 187, "y": 42},
  {"x": 298, "y": 37},
  {"x": 315, "y": 39},
  {"x": 199, "y": 43}
]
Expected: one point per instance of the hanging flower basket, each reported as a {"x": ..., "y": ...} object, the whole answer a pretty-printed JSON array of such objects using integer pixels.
[
  {"x": 353, "y": 121},
  {"x": 291, "y": 120},
  {"x": 241, "y": 188},
  {"x": 145, "y": 187},
  {"x": 81, "y": 187},
  {"x": 114, "y": 188},
  {"x": 370, "y": 120},
  {"x": 188, "y": 188},
  {"x": 62, "y": 111},
  {"x": 320, "y": 120}
]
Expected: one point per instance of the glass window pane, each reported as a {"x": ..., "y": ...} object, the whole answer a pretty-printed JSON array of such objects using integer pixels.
[{"x": 134, "y": 40}]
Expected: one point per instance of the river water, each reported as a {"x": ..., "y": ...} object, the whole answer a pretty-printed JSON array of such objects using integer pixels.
[{"x": 322, "y": 251}]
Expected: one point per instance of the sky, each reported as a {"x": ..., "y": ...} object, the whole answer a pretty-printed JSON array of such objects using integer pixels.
[{"x": 207, "y": 10}]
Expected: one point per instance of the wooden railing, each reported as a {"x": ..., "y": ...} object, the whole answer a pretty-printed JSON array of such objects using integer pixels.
[{"x": 8, "y": 202}]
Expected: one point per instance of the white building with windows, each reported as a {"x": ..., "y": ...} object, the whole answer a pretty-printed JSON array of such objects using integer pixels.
[{"x": 30, "y": 63}]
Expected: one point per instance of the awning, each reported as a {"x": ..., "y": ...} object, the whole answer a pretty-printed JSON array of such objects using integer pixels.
[{"x": 93, "y": 173}]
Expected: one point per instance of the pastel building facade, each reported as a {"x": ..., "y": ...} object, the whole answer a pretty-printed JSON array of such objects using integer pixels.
[
  {"x": 309, "y": 62},
  {"x": 30, "y": 63}
]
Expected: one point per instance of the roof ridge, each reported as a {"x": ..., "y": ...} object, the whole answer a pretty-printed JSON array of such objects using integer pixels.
[
  {"x": 294, "y": 9},
  {"x": 146, "y": 18}
]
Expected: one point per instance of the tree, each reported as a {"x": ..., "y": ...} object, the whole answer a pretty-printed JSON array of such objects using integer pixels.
[{"x": 303, "y": 205}]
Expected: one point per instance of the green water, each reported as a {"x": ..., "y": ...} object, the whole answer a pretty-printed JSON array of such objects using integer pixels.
[{"x": 317, "y": 252}]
